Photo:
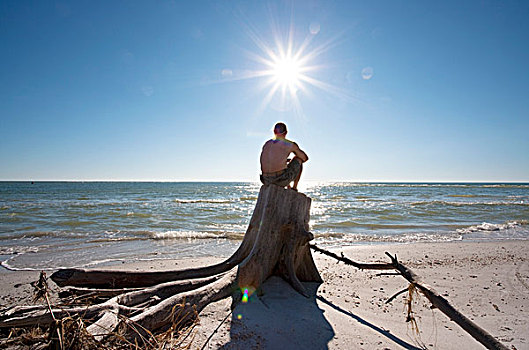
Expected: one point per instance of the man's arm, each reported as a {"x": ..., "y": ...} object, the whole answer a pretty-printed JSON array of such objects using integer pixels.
[{"x": 299, "y": 153}]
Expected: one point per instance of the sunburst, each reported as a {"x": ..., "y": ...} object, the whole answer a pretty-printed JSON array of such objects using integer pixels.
[{"x": 288, "y": 68}]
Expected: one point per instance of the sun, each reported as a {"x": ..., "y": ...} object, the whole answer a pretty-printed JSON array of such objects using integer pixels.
[{"x": 287, "y": 72}]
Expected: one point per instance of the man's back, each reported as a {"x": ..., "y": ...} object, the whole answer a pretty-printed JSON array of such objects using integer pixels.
[
  {"x": 275, "y": 154},
  {"x": 275, "y": 166}
]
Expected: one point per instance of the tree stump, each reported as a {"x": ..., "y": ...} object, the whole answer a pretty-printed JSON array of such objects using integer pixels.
[
  {"x": 281, "y": 241},
  {"x": 275, "y": 243}
]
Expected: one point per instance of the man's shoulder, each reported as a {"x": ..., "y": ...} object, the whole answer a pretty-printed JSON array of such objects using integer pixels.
[
  {"x": 280, "y": 143},
  {"x": 292, "y": 143},
  {"x": 268, "y": 143}
]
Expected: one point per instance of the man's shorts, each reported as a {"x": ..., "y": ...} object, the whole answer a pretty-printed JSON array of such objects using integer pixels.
[{"x": 284, "y": 178}]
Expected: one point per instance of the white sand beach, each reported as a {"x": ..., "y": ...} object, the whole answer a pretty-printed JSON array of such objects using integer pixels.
[{"x": 487, "y": 281}]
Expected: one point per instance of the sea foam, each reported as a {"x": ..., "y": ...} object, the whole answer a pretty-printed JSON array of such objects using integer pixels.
[{"x": 488, "y": 227}]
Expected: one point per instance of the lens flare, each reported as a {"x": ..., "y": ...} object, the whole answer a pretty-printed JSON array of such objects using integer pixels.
[
  {"x": 245, "y": 296},
  {"x": 246, "y": 293}
]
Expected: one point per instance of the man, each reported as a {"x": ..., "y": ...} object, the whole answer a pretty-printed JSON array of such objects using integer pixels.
[{"x": 275, "y": 166}]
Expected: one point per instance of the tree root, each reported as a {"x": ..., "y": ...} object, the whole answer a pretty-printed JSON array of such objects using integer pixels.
[{"x": 136, "y": 305}]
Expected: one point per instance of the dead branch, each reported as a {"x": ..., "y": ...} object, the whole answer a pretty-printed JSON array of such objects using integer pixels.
[
  {"x": 396, "y": 295},
  {"x": 362, "y": 266},
  {"x": 445, "y": 307},
  {"x": 437, "y": 301}
]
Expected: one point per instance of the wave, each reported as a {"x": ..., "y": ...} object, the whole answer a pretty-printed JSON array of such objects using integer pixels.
[
  {"x": 506, "y": 186},
  {"x": 488, "y": 227},
  {"x": 139, "y": 215},
  {"x": 173, "y": 234},
  {"x": 95, "y": 204},
  {"x": 5, "y": 264},
  {"x": 45, "y": 234},
  {"x": 120, "y": 235},
  {"x": 216, "y": 201},
  {"x": 345, "y": 224},
  {"x": 19, "y": 250},
  {"x": 462, "y": 204},
  {"x": 185, "y": 234},
  {"x": 345, "y": 239},
  {"x": 328, "y": 235},
  {"x": 227, "y": 216},
  {"x": 116, "y": 213},
  {"x": 8, "y": 266},
  {"x": 138, "y": 235},
  {"x": 76, "y": 223},
  {"x": 433, "y": 185},
  {"x": 211, "y": 201}
]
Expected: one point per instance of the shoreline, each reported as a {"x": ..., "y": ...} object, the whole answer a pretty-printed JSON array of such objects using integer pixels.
[
  {"x": 121, "y": 263},
  {"x": 487, "y": 281}
]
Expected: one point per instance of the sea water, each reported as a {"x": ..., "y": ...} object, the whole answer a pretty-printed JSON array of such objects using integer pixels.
[{"x": 47, "y": 225}]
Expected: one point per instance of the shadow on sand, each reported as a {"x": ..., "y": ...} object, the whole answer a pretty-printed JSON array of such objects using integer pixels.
[
  {"x": 283, "y": 319},
  {"x": 360, "y": 320},
  {"x": 280, "y": 319}
]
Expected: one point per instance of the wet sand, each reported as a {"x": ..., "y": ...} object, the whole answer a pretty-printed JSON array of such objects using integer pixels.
[{"x": 487, "y": 281}]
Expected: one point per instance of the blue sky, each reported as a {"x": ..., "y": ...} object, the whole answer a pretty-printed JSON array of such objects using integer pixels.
[{"x": 161, "y": 90}]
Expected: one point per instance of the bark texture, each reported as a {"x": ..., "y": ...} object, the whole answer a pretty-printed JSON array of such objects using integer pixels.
[{"x": 281, "y": 241}]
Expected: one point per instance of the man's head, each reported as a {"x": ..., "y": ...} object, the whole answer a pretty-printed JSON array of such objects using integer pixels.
[{"x": 280, "y": 129}]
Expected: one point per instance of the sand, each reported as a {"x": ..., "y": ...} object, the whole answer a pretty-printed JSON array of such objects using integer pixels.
[{"x": 487, "y": 281}]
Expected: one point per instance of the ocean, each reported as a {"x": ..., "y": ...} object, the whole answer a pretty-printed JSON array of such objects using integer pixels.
[{"x": 50, "y": 225}]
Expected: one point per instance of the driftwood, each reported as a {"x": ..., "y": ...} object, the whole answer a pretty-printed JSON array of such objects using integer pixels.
[
  {"x": 431, "y": 294},
  {"x": 275, "y": 243}
]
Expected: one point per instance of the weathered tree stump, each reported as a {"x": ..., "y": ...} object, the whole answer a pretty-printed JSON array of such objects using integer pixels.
[
  {"x": 275, "y": 243},
  {"x": 281, "y": 241}
]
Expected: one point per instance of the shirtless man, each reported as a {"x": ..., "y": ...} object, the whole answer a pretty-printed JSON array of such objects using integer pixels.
[{"x": 275, "y": 166}]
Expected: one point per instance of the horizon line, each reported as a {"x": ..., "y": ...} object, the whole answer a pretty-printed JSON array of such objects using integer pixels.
[{"x": 257, "y": 181}]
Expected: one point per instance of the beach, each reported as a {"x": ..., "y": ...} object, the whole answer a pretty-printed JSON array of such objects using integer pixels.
[
  {"x": 487, "y": 281},
  {"x": 210, "y": 142}
]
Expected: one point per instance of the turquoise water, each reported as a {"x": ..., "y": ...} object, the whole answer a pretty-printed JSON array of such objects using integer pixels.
[{"x": 67, "y": 224}]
